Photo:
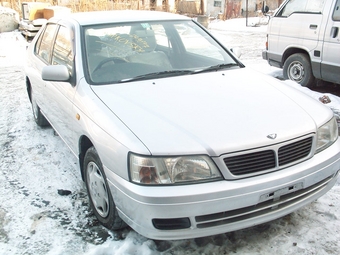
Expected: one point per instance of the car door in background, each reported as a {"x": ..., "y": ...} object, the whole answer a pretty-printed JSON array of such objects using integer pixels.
[
  {"x": 298, "y": 20},
  {"x": 330, "y": 65}
]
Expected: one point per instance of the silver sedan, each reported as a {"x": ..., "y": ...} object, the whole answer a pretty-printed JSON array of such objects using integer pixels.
[{"x": 174, "y": 135}]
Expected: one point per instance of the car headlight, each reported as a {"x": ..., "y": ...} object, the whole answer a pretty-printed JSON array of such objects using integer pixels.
[
  {"x": 172, "y": 170},
  {"x": 327, "y": 135}
]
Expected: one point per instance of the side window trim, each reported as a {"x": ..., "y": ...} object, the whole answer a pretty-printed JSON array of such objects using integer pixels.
[
  {"x": 63, "y": 51},
  {"x": 37, "y": 46},
  {"x": 39, "y": 51}
]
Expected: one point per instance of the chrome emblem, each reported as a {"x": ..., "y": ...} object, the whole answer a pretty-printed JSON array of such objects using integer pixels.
[{"x": 272, "y": 136}]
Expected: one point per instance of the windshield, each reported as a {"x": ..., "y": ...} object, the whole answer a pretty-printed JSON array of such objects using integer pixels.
[{"x": 117, "y": 53}]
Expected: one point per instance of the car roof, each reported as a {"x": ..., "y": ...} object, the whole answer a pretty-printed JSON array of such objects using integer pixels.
[{"x": 101, "y": 17}]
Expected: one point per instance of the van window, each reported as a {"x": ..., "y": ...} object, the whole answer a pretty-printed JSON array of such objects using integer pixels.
[
  {"x": 301, "y": 6},
  {"x": 336, "y": 13}
]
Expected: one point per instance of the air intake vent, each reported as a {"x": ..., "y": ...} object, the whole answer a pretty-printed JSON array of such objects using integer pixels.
[
  {"x": 250, "y": 163},
  {"x": 295, "y": 151},
  {"x": 270, "y": 158}
]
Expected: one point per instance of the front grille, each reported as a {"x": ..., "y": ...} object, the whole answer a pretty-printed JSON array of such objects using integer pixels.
[
  {"x": 251, "y": 162},
  {"x": 269, "y": 158},
  {"x": 295, "y": 151},
  {"x": 263, "y": 208}
]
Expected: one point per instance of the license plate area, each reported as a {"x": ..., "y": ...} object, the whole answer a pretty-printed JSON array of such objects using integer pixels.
[{"x": 275, "y": 195}]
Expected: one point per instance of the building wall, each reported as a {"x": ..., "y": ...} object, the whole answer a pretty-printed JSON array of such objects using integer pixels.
[{"x": 214, "y": 8}]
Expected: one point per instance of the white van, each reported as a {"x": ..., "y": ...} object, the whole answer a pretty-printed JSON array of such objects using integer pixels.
[{"x": 303, "y": 38}]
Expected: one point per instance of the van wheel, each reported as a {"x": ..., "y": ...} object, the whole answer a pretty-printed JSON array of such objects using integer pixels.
[
  {"x": 298, "y": 68},
  {"x": 99, "y": 193}
]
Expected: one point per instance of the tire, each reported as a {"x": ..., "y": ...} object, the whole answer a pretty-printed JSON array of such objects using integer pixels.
[
  {"x": 297, "y": 68},
  {"x": 39, "y": 118},
  {"x": 99, "y": 193}
]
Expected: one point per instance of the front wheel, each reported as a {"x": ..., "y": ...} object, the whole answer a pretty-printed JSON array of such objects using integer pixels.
[
  {"x": 297, "y": 68},
  {"x": 99, "y": 193}
]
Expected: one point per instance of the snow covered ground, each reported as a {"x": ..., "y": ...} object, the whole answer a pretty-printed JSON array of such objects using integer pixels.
[{"x": 37, "y": 216}]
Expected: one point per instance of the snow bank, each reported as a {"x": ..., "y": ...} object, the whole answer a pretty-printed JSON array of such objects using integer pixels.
[{"x": 9, "y": 19}]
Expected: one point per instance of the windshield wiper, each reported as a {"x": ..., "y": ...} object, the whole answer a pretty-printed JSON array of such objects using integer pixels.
[
  {"x": 215, "y": 68},
  {"x": 170, "y": 73},
  {"x": 157, "y": 75}
]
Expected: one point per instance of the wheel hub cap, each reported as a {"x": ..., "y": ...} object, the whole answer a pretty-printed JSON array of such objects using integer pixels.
[
  {"x": 98, "y": 190},
  {"x": 296, "y": 72}
]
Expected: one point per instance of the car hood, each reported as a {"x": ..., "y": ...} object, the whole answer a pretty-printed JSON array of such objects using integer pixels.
[{"x": 212, "y": 113}]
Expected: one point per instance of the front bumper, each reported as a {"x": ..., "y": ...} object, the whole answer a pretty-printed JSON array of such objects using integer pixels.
[
  {"x": 273, "y": 59},
  {"x": 223, "y": 206},
  {"x": 265, "y": 55}
]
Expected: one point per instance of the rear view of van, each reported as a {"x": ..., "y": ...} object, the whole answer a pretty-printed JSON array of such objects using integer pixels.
[{"x": 303, "y": 38}]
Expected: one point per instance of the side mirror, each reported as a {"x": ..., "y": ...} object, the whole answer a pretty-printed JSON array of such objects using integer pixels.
[
  {"x": 236, "y": 51},
  {"x": 55, "y": 73}
]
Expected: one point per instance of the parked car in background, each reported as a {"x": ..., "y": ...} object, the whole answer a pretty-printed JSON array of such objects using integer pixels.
[
  {"x": 303, "y": 38},
  {"x": 35, "y": 15},
  {"x": 174, "y": 135}
]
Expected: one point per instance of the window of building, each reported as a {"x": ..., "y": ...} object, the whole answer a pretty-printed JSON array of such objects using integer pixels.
[{"x": 217, "y": 3}]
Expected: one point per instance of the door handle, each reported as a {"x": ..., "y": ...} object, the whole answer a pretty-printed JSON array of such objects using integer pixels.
[
  {"x": 312, "y": 26},
  {"x": 334, "y": 32}
]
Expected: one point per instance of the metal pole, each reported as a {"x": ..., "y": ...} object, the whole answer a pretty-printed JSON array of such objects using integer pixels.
[{"x": 246, "y": 13}]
